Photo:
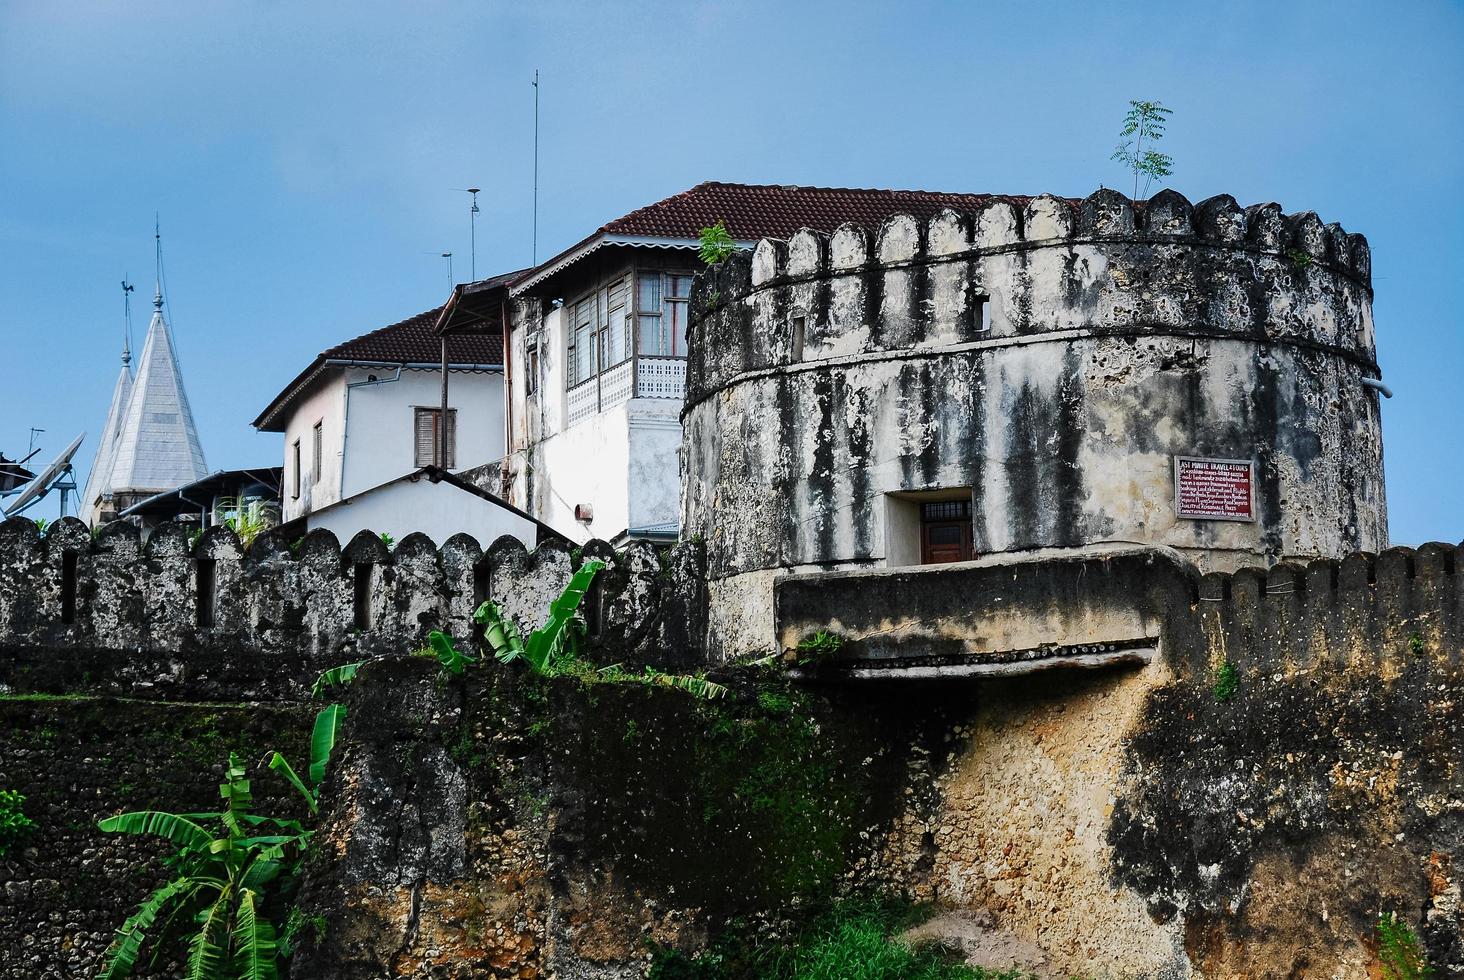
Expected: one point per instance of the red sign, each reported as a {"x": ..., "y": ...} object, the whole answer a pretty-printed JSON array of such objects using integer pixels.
[{"x": 1214, "y": 489}]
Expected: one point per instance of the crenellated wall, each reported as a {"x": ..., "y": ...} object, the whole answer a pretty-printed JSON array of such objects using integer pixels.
[
  {"x": 1049, "y": 358},
  {"x": 210, "y": 619}
]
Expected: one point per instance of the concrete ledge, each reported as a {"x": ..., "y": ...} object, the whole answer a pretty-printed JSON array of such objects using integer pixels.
[{"x": 993, "y": 617}]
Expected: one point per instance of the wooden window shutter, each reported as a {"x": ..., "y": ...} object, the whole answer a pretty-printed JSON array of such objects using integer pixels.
[
  {"x": 425, "y": 433},
  {"x": 449, "y": 452}
]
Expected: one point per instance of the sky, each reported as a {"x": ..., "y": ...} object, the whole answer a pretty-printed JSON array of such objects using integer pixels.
[{"x": 304, "y": 160}]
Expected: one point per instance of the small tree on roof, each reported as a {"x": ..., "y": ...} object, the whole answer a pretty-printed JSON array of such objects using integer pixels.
[{"x": 1143, "y": 123}]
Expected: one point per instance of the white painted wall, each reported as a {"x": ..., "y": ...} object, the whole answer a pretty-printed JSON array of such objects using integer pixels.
[
  {"x": 623, "y": 461},
  {"x": 380, "y": 442},
  {"x": 438, "y": 510},
  {"x": 323, "y": 403},
  {"x": 654, "y": 465},
  {"x": 367, "y": 429},
  {"x": 587, "y": 463}
]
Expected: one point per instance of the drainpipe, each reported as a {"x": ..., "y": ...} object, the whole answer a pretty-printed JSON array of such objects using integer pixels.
[
  {"x": 507, "y": 378},
  {"x": 1377, "y": 385},
  {"x": 440, "y": 453},
  {"x": 346, "y": 425}
]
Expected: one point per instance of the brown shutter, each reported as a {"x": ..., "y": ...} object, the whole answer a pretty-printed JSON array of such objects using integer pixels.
[
  {"x": 424, "y": 436},
  {"x": 449, "y": 454}
]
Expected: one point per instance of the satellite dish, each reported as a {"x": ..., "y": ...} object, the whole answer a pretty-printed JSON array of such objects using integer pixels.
[{"x": 42, "y": 483}]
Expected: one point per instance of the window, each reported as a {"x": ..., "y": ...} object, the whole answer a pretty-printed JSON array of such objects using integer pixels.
[
  {"x": 661, "y": 307},
  {"x": 983, "y": 314},
  {"x": 531, "y": 373},
  {"x": 295, "y": 470},
  {"x": 316, "y": 450},
  {"x": 945, "y": 531},
  {"x": 581, "y": 340},
  {"x": 800, "y": 329},
  {"x": 426, "y": 429}
]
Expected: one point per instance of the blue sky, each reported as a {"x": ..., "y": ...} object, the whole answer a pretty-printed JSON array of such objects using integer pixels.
[{"x": 303, "y": 155}]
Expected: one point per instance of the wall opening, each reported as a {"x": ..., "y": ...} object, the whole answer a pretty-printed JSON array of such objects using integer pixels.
[
  {"x": 68, "y": 587},
  {"x": 204, "y": 579},
  {"x": 480, "y": 594},
  {"x": 362, "y": 574},
  {"x": 928, "y": 527},
  {"x": 594, "y": 607},
  {"x": 800, "y": 332}
]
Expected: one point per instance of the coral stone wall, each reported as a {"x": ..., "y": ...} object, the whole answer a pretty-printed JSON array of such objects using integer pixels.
[
  {"x": 209, "y": 619},
  {"x": 828, "y": 372},
  {"x": 66, "y": 887}
]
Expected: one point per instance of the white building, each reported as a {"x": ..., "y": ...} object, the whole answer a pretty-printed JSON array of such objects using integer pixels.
[
  {"x": 597, "y": 349},
  {"x": 363, "y": 425},
  {"x": 149, "y": 443}
]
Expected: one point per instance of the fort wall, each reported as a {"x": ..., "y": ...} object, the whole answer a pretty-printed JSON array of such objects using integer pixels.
[{"x": 1047, "y": 360}]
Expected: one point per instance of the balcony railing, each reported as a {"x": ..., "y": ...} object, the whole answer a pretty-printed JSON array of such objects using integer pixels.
[
  {"x": 639, "y": 377},
  {"x": 660, "y": 377}
]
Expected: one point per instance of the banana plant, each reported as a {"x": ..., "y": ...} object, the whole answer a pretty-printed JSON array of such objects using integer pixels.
[
  {"x": 551, "y": 643},
  {"x": 224, "y": 877}
]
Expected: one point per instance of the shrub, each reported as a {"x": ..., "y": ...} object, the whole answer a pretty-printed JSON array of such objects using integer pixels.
[{"x": 14, "y": 824}]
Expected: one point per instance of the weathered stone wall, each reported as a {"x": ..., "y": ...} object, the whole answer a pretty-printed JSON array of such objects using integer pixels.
[
  {"x": 66, "y": 887},
  {"x": 208, "y": 619},
  {"x": 1127, "y": 822},
  {"x": 496, "y": 825},
  {"x": 828, "y": 372}
]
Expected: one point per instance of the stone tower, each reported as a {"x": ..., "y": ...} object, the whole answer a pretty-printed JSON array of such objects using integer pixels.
[{"x": 1041, "y": 376}]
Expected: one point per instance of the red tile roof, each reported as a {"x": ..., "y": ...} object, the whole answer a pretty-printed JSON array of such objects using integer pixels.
[
  {"x": 409, "y": 341},
  {"x": 754, "y": 211},
  {"x": 412, "y": 341}
]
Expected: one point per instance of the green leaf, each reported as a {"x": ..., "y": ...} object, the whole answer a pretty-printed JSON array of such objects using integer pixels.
[
  {"x": 254, "y": 942},
  {"x": 335, "y": 677},
  {"x": 176, "y": 828},
  {"x": 447, "y": 654},
  {"x": 122, "y": 955},
  {"x": 548, "y": 641},
  {"x": 499, "y": 632},
  {"x": 206, "y": 955},
  {"x": 282, "y": 766},
  {"x": 323, "y": 739}
]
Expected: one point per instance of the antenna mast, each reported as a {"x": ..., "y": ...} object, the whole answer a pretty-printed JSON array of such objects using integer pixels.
[
  {"x": 536, "y": 166},
  {"x": 450, "y": 282},
  {"x": 473, "y": 233},
  {"x": 126, "y": 321}
]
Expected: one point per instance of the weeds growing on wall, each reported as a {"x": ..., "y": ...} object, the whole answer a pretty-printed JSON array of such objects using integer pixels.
[
  {"x": 716, "y": 243},
  {"x": 854, "y": 940},
  {"x": 816, "y": 646},
  {"x": 1400, "y": 951},
  {"x": 14, "y": 824},
  {"x": 1144, "y": 122},
  {"x": 1227, "y": 682}
]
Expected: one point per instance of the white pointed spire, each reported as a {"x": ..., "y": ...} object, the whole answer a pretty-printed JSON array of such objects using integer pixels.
[
  {"x": 150, "y": 443},
  {"x": 98, "y": 480},
  {"x": 157, "y": 447}
]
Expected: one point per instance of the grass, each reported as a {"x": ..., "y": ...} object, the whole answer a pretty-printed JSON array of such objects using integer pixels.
[
  {"x": 1400, "y": 950},
  {"x": 855, "y": 940},
  {"x": 1227, "y": 682}
]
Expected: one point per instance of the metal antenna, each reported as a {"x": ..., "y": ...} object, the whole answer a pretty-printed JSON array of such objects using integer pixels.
[
  {"x": 536, "y": 166},
  {"x": 450, "y": 281},
  {"x": 126, "y": 321},
  {"x": 33, "y": 432},
  {"x": 473, "y": 233}
]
